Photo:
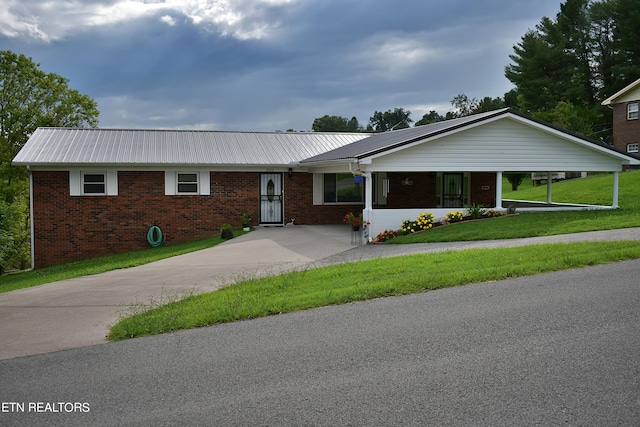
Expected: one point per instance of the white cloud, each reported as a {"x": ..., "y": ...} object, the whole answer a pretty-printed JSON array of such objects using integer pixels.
[
  {"x": 393, "y": 55},
  {"x": 169, "y": 20},
  {"x": 50, "y": 20}
]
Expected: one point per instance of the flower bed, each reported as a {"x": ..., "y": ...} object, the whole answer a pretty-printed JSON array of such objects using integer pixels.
[{"x": 425, "y": 221}]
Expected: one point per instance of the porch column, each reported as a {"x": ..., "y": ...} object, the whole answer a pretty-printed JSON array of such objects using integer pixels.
[
  {"x": 498, "y": 190},
  {"x": 368, "y": 191},
  {"x": 616, "y": 183},
  {"x": 549, "y": 181},
  {"x": 368, "y": 206}
]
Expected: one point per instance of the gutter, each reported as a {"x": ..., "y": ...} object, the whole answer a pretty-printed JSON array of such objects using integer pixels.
[{"x": 31, "y": 226}]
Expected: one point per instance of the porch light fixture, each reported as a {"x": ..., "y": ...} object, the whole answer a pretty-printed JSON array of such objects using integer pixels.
[{"x": 290, "y": 172}]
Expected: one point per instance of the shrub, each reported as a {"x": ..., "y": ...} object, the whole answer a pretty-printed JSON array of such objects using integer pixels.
[
  {"x": 15, "y": 252},
  {"x": 423, "y": 222},
  {"x": 475, "y": 211},
  {"x": 454, "y": 216},
  {"x": 385, "y": 235},
  {"x": 492, "y": 214}
]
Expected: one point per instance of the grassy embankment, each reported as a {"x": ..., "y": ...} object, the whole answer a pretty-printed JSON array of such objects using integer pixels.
[{"x": 417, "y": 273}]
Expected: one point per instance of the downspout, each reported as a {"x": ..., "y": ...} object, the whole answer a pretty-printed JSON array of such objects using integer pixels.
[
  {"x": 32, "y": 238},
  {"x": 351, "y": 170}
]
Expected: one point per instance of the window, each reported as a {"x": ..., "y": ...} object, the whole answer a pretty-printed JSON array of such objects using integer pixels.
[
  {"x": 632, "y": 148},
  {"x": 187, "y": 183},
  {"x": 632, "y": 111},
  {"x": 342, "y": 188},
  {"x": 94, "y": 183}
]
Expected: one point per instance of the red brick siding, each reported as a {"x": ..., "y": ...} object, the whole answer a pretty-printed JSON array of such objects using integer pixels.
[
  {"x": 423, "y": 191},
  {"x": 625, "y": 131},
  {"x": 69, "y": 228},
  {"x": 298, "y": 203},
  {"x": 486, "y": 198}
]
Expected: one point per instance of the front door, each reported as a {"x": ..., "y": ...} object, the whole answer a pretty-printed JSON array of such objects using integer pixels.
[
  {"x": 452, "y": 190},
  {"x": 271, "y": 206}
]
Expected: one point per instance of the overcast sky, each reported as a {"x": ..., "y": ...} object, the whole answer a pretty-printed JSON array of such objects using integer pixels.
[{"x": 270, "y": 64}]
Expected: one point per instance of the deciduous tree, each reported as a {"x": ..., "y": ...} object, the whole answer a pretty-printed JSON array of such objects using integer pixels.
[
  {"x": 29, "y": 98},
  {"x": 394, "y": 119},
  {"x": 328, "y": 123}
]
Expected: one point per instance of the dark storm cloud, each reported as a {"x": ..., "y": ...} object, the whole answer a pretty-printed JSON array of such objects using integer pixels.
[{"x": 266, "y": 65}]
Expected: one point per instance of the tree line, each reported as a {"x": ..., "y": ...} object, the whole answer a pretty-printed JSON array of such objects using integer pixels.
[
  {"x": 29, "y": 98},
  {"x": 561, "y": 71},
  {"x": 399, "y": 118}
]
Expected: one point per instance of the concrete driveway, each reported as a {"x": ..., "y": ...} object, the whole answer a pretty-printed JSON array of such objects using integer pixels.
[{"x": 78, "y": 312}]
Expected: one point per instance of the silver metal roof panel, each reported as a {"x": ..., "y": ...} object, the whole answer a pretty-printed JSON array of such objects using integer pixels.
[{"x": 69, "y": 146}]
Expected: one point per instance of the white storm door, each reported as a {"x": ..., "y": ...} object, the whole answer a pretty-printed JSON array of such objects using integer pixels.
[{"x": 271, "y": 199}]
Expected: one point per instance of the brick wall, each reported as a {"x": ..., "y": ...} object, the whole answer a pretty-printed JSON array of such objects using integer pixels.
[
  {"x": 422, "y": 190},
  {"x": 298, "y": 203},
  {"x": 486, "y": 198},
  {"x": 69, "y": 228},
  {"x": 418, "y": 192},
  {"x": 624, "y": 131}
]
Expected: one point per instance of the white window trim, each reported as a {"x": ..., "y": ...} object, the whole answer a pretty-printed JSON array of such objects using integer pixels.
[
  {"x": 171, "y": 183},
  {"x": 76, "y": 182},
  {"x": 197, "y": 182},
  {"x": 632, "y": 148},
  {"x": 636, "y": 111},
  {"x": 320, "y": 194},
  {"x": 104, "y": 182}
]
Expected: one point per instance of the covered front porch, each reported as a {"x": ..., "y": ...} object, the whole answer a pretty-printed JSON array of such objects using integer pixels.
[{"x": 442, "y": 192}]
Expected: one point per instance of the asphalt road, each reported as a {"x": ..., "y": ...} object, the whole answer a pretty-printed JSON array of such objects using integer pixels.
[{"x": 553, "y": 349}]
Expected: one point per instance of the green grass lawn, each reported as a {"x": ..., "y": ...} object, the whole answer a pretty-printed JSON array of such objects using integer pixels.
[
  {"x": 597, "y": 189},
  {"x": 364, "y": 280},
  {"x": 26, "y": 279}
]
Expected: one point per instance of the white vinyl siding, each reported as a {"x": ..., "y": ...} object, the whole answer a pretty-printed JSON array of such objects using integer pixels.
[
  {"x": 318, "y": 181},
  {"x": 501, "y": 145}
]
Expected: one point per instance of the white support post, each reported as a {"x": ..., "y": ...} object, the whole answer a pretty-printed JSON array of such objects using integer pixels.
[
  {"x": 368, "y": 205},
  {"x": 368, "y": 191},
  {"x": 549, "y": 181},
  {"x": 498, "y": 190},
  {"x": 616, "y": 184}
]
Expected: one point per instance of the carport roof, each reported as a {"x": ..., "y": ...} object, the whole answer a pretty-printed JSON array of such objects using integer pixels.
[{"x": 381, "y": 142}]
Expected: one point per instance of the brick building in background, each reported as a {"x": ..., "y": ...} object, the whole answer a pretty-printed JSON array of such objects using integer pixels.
[{"x": 626, "y": 118}]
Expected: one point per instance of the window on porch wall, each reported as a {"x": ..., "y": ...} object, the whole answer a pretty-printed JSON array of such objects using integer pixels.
[{"x": 341, "y": 188}]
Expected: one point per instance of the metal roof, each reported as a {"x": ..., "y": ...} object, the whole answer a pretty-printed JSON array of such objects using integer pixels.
[
  {"x": 387, "y": 140},
  {"x": 79, "y": 146},
  {"x": 381, "y": 142}
]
